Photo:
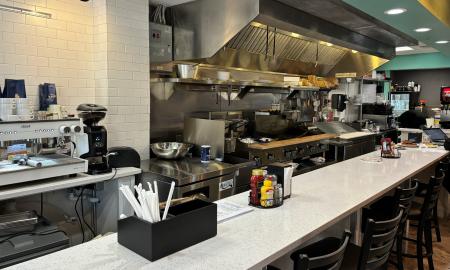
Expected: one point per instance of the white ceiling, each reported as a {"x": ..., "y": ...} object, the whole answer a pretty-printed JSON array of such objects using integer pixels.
[
  {"x": 421, "y": 48},
  {"x": 169, "y": 2}
]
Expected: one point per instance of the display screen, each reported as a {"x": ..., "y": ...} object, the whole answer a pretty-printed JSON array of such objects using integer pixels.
[
  {"x": 445, "y": 95},
  {"x": 435, "y": 134}
]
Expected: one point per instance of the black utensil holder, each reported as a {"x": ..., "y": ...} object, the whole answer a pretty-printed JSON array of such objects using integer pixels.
[{"x": 186, "y": 225}]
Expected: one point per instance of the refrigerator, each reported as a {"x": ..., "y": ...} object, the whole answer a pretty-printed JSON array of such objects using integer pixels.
[{"x": 403, "y": 101}]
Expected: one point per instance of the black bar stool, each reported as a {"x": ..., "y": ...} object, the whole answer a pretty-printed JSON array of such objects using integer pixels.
[
  {"x": 388, "y": 206},
  {"x": 443, "y": 168},
  {"x": 379, "y": 237},
  {"x": 326, "y": 254},
  {"x": 405, "y": 196},
  {"x": 423, "y": 216}
]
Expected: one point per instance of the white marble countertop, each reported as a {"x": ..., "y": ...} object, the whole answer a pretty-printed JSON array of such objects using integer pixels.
[
  {"x": 319, "y": 199},
  {"x": 57, "y": 183}
]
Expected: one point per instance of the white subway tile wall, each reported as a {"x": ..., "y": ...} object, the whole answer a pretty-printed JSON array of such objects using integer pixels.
[{"x": 94, "y": 51}]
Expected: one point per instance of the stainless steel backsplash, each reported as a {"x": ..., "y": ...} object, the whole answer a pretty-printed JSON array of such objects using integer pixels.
[{"x": 170, "y": 106}]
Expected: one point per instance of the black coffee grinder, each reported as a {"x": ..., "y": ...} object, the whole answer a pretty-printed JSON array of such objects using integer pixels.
[{"x": 97, "y": 156}]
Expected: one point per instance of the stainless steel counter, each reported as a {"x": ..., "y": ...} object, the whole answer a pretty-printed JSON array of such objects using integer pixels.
[
  {"x": 215, "y": 179},
  {"x": 187, "y": 170},
  {"x": 53, "y": 165}
]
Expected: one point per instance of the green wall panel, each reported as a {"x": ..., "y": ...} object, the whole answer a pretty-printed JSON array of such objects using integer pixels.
[{"x": 417, "y": 61}]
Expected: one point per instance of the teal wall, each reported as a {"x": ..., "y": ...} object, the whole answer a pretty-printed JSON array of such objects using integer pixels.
[{"x": 417, "y": 61}]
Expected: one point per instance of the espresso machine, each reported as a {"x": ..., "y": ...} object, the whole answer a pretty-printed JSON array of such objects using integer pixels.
[
  {"x": 35, "y": 150},
  {"x": 97, "y": 155}
]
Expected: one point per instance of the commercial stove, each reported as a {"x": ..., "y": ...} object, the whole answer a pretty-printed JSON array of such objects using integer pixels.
[
  {"x": 287, "y": 149},
  {"x": 349, "y": 142},
  {"x": 214, "y": 180}
]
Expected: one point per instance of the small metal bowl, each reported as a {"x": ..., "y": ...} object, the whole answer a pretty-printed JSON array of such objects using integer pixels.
[{"x": 171, "y": 150}]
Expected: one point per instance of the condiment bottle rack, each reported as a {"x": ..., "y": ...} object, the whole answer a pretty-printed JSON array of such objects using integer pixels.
[{"x": 267, "y": 203}]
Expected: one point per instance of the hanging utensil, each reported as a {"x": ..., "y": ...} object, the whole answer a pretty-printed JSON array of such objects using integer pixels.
[{"x": 229, "y": 94}]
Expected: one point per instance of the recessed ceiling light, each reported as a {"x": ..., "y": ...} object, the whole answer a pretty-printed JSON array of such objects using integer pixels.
[
  {"x": 442, "y": 42},
  {"x": 403, "y": 49},
  {"x": 354, "y": 51},
  {"x": 329, "y": 44},
  {"x": 423, "y": 29},
  {"x": 295, "y": 35},
  {"x": 395, "y": 11}
]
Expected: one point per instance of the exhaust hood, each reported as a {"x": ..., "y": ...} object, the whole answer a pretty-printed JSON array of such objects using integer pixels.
[{"x": 320, "y": 37}]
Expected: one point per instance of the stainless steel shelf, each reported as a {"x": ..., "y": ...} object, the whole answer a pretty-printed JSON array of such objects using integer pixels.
[{"x": 243, "y": 84}]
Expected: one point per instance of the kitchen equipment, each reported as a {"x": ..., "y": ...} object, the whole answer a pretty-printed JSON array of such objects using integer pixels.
[
  {"x": 349, "y": 143},
  {"x": 215, "y": 180},
  {"x": 187, "y": 71},
  {"x": 385, "y": 122},
  {"x": 230, "y": 145},
  {"x": 338, "y": 102},
  {"x": 171, "y": 150},
  {"x": 411, "y": 134},
  {"x": 18, "y": 222},
  {"x": 223, "y": 75},
  {"x": 160, "y": 42},
  {"x": 125, "y": 157},
  {"x": 34, "y": 134},
  {"x": 211, "y": 132},
  {"x": 44, "y": 239},
  {"x": 288, "y": 149},
  {"x": 378, "y": 109},
  {"x": 97, "y": 156}
]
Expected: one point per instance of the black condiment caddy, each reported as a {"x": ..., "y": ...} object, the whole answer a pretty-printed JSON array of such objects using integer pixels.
[
  {"x": 187, "y": 224},
  {"x": 266, "y": 203}
]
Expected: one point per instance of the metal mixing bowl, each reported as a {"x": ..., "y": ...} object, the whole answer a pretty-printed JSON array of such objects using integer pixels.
[{"x": 170, "y": 150}]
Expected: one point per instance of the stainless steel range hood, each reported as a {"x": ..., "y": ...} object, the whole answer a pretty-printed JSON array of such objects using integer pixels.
[{"x": 283, "y": 36}]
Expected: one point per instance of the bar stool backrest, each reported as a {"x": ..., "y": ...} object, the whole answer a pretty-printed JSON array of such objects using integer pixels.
[
  {"x": 446, "y": 165},
  {"x": 404, "y": 197},
  {"x": 331, "y": 261},
  {"x": 431, "y": 196},
  {"x": 378, "y": 240}
]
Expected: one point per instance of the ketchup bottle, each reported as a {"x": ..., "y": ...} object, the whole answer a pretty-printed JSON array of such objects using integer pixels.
[{"x": 257, "y": 176}]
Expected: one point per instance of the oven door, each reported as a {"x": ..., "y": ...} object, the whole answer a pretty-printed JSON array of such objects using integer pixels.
[{"x": 214, "y": 188}]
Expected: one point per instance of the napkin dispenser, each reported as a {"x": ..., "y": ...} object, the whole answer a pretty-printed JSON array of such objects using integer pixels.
[
  {"x": 186, "y": 225},
  {"x": 284, "y": 172}
]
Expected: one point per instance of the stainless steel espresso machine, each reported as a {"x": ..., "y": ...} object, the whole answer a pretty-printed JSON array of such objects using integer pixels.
[{"x": 34, "y": 150}]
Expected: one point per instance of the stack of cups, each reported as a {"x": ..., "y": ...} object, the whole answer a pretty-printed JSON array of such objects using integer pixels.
[
  {"x": 23, "y": 107},
  {"x": 7, "y": 106}
]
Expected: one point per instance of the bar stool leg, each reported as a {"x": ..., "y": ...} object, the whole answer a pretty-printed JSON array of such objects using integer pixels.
[
  {"x": 436, "y": 223},
  {"x": 429, "y": 245},
  {"x": 419, "y": 249},
  {"x": 400, "y": 251}
]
